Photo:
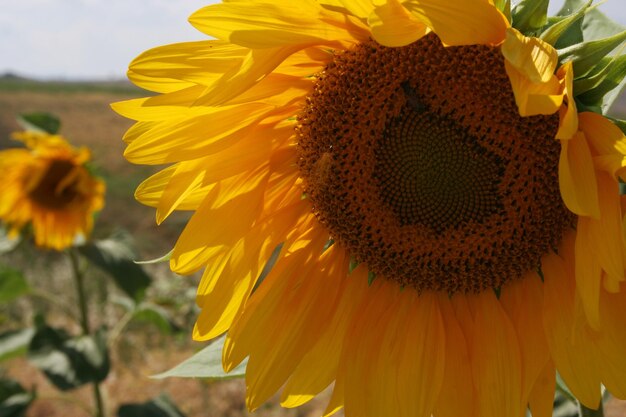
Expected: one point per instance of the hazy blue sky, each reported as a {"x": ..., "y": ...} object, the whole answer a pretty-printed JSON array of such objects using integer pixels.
[{"x": 98, "y": 38}]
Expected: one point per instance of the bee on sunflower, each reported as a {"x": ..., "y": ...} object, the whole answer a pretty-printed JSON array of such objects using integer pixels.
[
  {"x": 47, "y": 186},
  {"x": 442, "y": 180}
]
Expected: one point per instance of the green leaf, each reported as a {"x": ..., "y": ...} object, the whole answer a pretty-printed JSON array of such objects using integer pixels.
[
  {"x": 69, "y": 362},
  {"x": 586, "y": 55},
  {"x": 559, "y": 26},
  {"x": 207, "y": 363},
  {"x": 14, "y": 342},
  {"x": 611, "y": 97},
  {"x": 156, "y": 315},
  {"x": 530, "y": 15},
  {"x": 595, "y": 25},
  {"x": 7, "y": 244},
  {"x": 612, "y": 68},
  {"x": 40, "y": 122},
  {"x": 161, "y": 406},
  {"x": 12, "y": 284},
  {"x": 14, "y": 399},
  {"x": 115, "y": 256},
  {"x": 607, "y": 91}
]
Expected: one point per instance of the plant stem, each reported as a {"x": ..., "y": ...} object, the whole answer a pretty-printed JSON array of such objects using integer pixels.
[
  {"x": 588, "y": 412},
  {"x": 84, "y": 321}
]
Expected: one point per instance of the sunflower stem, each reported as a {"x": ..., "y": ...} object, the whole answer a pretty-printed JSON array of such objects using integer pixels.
[
  {"x": 79, "y": 279},
  {"x": 589, "y": 412}
]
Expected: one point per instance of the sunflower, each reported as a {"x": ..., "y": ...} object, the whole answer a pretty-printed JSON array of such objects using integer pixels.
[
  {"x": 441, "y": 189},
  {"x": 48, "y": 186}
]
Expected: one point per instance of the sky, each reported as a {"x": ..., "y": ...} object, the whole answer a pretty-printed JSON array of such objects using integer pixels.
[{"x": 96, "y": 39}]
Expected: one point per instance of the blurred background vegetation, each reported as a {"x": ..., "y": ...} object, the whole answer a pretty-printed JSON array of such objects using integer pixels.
[{"x": 146, "y": 336}]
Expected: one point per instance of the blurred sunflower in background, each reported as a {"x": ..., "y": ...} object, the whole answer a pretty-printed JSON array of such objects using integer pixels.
[
  {"x": 441, "y": 184},
  {"x": 47, "y": 186}
]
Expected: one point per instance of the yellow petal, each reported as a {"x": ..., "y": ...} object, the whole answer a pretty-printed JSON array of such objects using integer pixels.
[
  {"x": 532, "y": 57},
  {"x": 227, "y": 283},
  {"x": 457, "y": 382},
  {"x": 393, "y": 25},
  {"x": 605, "y": 234},
  {"x": 568, "y": 113},
  {"x": 496, "y": 360},
  {"x": 523, "y": 300},
  {"x": 157, "y": 85},
  {"x": 421, "y": 365},
  {"x": 612, "y": 343},
  {"x": 390, "y": 357},
  {"x": 182, "y": 65},
  {"x": 570, "y": 343},
  {"x": 541, "y": 401},
  {"x": 137, "y": 130},
  {"x": 588, "y": 272},
  {"x": 319, "y": 367},
  {"x": 209, "y": 230},
  {"x": 577, "y": 177},
  {"x": 293, "y": 326},
  {"x": 534, "y": 98},
  {"x": 358, "y": 8},
  {"x": 264, "y": 24},
  {"x": 362, "y": 357},
  {"x": 606, "y": 140},
  {"x": 467, "y": 22},
  {"x": 150, "y": 192},
  {"x": 298, "y": 258},
  {"x": 187, "y": 139}
]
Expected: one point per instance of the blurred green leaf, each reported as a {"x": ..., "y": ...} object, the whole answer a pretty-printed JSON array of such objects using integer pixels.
[
  {"x": 69, "y": 362},
  {"x": 586, "y": 55},
  {"x": 115, "y": 256},
  {"x": 156, "y": 315},
  {"x": 597, "y": 25},
  {"x": 14, "y": 342},
  {"x": 593, "y": 26},
  {"x": 7, "y": 244},
  {"x": 530, "y": 15},
  {"x": 12, "y": 284},
  {"x": 606, "y": 92},
  {"x": 207, "y": 363},
  {"x": 610, "y": 67},
  {"x": 558, "y": 26},
  {"x": 14, "y": 399},
  {"x": 161, "y": 406},
  {"x": 40, "y": 122}
]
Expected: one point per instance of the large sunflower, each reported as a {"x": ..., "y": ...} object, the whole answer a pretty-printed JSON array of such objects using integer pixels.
[
  {"x": 450, "y": 223},
  {"x": 48, "y": 186}
]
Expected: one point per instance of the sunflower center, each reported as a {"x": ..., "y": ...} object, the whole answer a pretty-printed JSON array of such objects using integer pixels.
[
  {"x": 413, "y": 161},
  {"x": 56, "y": 189},
  {"x": 418, "y": 163}
]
